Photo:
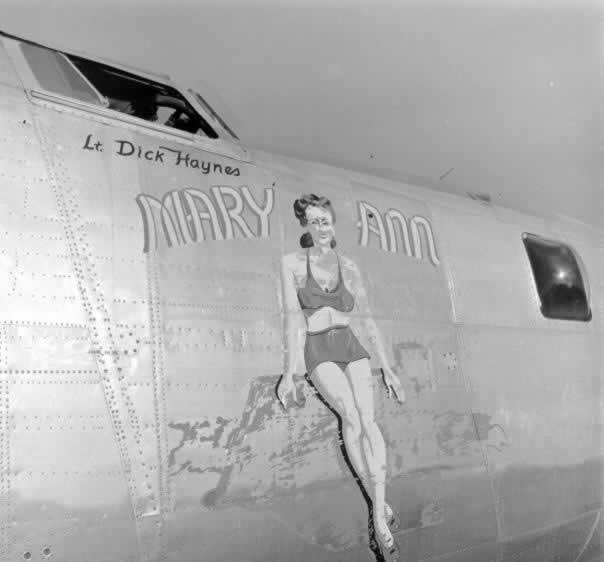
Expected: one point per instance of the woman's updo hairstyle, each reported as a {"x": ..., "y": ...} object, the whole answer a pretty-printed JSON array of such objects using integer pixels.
[{"x": 300, "y": 206}]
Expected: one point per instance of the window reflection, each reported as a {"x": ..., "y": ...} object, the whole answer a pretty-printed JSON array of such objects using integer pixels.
[{"x": 558, "y": 278}]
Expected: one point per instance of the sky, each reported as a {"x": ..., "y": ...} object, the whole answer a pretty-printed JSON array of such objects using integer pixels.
[{"x": 501, "y": 98}]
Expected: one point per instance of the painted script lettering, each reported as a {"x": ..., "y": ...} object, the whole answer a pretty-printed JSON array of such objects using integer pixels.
[
  {"x": 161, "y": 155},
  {"x": 394, "y": 233},
  {"x": 190, "y": 216}
]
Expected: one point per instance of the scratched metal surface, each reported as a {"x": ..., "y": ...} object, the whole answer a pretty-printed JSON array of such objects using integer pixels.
[{"x": 138, "y": 363}]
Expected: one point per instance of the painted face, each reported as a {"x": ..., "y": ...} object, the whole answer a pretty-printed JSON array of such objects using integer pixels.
[{"x": 320, "y": 225}]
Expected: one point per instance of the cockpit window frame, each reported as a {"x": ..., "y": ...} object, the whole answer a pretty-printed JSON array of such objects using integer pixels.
[{"x": 210, "y": 110}]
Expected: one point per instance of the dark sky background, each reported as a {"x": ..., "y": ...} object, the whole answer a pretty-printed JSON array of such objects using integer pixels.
[{"x": 503, "y": 98}]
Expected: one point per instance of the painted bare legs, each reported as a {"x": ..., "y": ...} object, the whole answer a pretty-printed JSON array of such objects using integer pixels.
[
  {"x": 374, "y": 448},
  {"x": 350, "y": 394}
]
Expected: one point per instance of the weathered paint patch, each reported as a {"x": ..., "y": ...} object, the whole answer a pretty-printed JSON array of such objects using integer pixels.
[{"x": 191, "y": 434}]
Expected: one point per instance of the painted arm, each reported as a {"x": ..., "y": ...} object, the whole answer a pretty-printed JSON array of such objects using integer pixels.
[
  {"x": 391, "y": 380},
  {"x": 293, "y": 329}
]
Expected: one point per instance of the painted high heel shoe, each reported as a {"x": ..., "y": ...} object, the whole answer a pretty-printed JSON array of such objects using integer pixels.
[
  {"x": 392, "y": 519},
  {"x": 390, "y": 553}
]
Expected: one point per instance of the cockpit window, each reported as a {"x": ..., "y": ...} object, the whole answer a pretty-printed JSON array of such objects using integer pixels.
[
  {"x": 103, "y": 85},
  {"x": 560, "y": 279},
  {"x": 143, "y": 98}
]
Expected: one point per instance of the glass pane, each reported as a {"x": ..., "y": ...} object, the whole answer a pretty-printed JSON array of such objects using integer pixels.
[
  {"x": 215, "y": 115},
  {"x": 55, "y": 74},
  {"x": 558, "y": 279}
]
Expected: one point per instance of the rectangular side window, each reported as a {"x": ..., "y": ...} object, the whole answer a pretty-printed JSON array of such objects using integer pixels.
[{"x": 560, "y": 279}]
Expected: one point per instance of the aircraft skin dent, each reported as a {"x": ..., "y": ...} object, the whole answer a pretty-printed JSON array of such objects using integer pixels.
[{"x": 164, "y": 298}]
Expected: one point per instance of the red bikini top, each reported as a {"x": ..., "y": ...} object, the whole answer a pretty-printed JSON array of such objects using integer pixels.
[{"x": 312, "y": 297}]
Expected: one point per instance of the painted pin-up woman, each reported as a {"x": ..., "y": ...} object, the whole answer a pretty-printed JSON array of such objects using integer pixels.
[{"x": 326, "y": 288}]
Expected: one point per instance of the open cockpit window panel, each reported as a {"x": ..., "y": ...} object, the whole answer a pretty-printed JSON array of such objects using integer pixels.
[
  {"x": 143, "y": 98},
  {"x": 560, "y": 278},
  {"x": 55, "y": 73}
]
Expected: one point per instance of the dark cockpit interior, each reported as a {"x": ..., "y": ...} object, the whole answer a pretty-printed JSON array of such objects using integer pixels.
[{"x": 143, "y": 98}]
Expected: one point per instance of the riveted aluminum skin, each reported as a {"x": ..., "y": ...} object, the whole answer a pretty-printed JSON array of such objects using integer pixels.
[{"x": 145, "y": 284}]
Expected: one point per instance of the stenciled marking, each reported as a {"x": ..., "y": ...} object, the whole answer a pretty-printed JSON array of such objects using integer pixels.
[
  {"x": 392, "y": 228},
  {"x": 181, "y": 215}
]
